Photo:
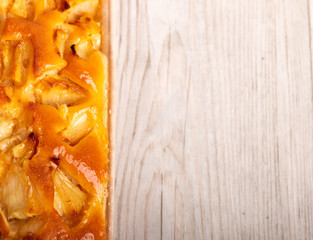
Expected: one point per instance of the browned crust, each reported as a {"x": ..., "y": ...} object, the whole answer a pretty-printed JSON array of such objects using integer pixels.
[{"x": 107, "y": 49}]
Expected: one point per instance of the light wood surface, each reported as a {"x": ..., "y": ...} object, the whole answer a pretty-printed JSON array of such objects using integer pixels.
[{"x": 214, "y": 129}]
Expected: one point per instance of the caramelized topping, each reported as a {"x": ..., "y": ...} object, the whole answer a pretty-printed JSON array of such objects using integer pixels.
[
  {"x": 41, "y": 34},
  {"x": 53, "y": 136},
  {"x": 3, "y": 96}
]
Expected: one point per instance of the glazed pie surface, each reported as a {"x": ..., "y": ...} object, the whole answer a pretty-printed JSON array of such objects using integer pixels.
[{"x": 53, "y": 120}]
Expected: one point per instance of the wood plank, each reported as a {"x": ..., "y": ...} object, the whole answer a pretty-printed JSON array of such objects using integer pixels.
[{"x": 214, "y": 120}]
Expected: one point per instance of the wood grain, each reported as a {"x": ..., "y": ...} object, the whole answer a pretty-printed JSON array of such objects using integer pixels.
[{"x": 214, "y": 136}]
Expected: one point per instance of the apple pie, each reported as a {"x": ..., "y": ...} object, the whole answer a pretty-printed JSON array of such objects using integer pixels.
[{"x": 54, "y": 142}]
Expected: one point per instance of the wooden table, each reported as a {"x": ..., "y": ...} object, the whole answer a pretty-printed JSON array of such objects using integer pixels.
[{"x": 214, "y": 119}]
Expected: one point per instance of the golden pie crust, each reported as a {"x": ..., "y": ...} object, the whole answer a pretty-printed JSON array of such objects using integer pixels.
[{"x": 54, "y": 142}]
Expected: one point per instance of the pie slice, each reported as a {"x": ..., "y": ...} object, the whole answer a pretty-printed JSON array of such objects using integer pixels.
[{"x": 54, "y": 142}]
